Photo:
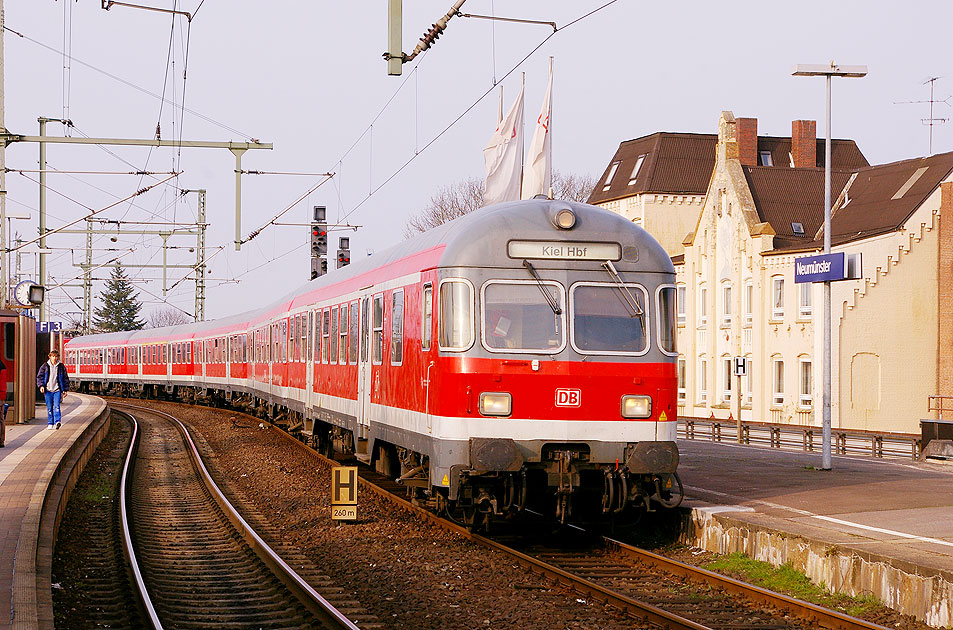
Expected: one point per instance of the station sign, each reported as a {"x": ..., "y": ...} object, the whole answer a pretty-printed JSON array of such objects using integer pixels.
[
  {"x": 562, "y": 250},
  {"x": 741, "y": 366},
  {"x": 344, "y": 493},
  {"x": 48, "y": 327},
  {"x": 822, "y": 268}
]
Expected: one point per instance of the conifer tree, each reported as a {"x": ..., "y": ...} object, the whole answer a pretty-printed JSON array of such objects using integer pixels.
[{"x": 120, "y": 306}]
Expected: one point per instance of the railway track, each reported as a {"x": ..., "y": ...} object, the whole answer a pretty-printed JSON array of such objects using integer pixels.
[
  {"x": 655, "y": 591},
  {"x": 196, "y": 562}
]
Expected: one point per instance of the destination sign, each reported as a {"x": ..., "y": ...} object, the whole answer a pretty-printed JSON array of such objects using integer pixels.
[{"x": 561, "y": 250}]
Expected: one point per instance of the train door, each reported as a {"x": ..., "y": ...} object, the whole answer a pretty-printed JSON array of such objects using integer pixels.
[
  {"x": 364, "y": 370},
  {"x": 309, "y": 366},
  {"x": 168, "y": 360},
  {"x": 426, "y": 348}
]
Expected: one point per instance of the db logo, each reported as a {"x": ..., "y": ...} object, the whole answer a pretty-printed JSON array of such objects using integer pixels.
[{"x": 568, "y": 397}]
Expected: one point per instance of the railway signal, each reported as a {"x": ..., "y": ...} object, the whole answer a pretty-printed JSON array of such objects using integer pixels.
[
  {"x": 319, "y": 242},
  {"x": 344, "y": 251}
]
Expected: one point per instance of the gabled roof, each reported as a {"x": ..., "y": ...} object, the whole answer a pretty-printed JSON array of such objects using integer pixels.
[
  {"x": 681, "y": 163},
  {"x": 882, "y": 198},
  {"x": 784, "y": 196}
]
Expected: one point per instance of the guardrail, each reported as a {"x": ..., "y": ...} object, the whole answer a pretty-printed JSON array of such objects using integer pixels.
[
  {"x": 939, "y": 404},
  {"x": 802, "y": 437}
]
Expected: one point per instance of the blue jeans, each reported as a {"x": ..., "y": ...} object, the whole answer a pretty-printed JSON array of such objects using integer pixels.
[{"x": 52, "y": 406}]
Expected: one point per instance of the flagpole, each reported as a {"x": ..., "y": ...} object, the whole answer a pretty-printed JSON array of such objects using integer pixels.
[
  {"x": 499, "y": 113},
  {"x": 522, "y": 148},
  {"x": 549, "y": 129}
]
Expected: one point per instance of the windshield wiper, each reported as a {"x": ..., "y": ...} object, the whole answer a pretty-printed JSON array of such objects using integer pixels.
[
  {"x": 628, "y": 299},
  {"x": 546, "y": 294}
]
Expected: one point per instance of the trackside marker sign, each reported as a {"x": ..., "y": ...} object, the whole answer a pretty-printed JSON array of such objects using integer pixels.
[{"x": 344, "y": 493}]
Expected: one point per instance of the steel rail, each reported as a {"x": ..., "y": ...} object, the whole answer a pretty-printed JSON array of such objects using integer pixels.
[
  {"x": 818, "y": 615},
  {"x": 127, "y": 546},
  {"x": 313, "y": 600}
]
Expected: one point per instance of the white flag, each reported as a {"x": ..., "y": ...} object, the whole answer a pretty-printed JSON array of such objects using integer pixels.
[
  {"x": 538, "y": 174},
  {"x": 504, "y": 156}
]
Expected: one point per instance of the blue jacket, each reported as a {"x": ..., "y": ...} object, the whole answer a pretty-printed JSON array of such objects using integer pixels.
[{"x": 44, "y": 375}]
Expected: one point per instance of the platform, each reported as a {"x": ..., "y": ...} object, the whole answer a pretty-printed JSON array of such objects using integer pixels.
[
  {"x": 868, "y": 526},
  {"x": 38, "y": 467}
]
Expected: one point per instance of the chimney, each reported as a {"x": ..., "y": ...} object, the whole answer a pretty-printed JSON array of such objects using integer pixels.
[
  {"x": 804, "y": 143},
  {"x": 746, "y": 131}
]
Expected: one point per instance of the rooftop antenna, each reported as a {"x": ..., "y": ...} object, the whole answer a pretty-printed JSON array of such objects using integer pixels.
[{"x": 931, "y": 121}]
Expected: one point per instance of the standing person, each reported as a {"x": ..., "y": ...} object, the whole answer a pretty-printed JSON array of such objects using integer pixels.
[{"x": 53, "y": 383}]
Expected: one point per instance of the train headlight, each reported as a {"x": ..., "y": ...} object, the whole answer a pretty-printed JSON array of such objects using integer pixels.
[
  {"x": 636, "y": 406},
  {"x": 496, "y": 404},
  {"x": 564, "y": 219}
]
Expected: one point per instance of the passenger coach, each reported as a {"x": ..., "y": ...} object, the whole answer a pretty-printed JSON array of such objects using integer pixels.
[{"x": 520, "y": 356}]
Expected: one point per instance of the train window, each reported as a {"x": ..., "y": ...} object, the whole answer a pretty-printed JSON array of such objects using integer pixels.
[
  {"x": 397, "y": 329},
  {"x": 188, "y": 352},
  {"x": 305, "y": 337},
  {"x": 455, "y": 315},
  {"x": 342, "y": 329},
  {"x": 317, "y": 336},
  {"x": 517, "y": 317},
  {"x": 165, "y": 355},
  {"x": 364, "y": 329},
  {"x": 666, "y": 299},
  {"x": 377, "y": 328},
  {"x": 244, "y": 347},
  {"x": 325, "y": 337},
  {"x": 605, "y": 322},
  {"x": 308, "y": 350},
  {"x": 426, "y": 325},
  {"x": 352, "y": 334},
  {"x": 284, "y": 340},
  {"x": 333, "y": 356}
]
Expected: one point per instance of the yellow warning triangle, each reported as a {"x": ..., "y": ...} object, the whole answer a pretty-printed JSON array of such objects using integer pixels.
[
  {"x": 663, "y": 417},
  {"x": 445, "y": 481}
]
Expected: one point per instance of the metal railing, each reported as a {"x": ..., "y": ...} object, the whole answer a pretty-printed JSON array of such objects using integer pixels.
[
  {"x": 940, "y": 404},
  {"x": 803, "y": 437}
]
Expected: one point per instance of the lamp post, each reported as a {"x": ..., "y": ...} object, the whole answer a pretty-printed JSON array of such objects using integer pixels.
[{"x": 829, "y": 71}]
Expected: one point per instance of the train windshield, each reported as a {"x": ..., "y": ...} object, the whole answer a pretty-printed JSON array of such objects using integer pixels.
[
  {"x": 603, "y": 322},
  {"x": 519, "y": 317}
]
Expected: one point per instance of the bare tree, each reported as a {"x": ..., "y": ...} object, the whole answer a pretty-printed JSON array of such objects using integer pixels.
[
  {"x": 465, "y": 196},
  {"x": 166, "y": 316}
]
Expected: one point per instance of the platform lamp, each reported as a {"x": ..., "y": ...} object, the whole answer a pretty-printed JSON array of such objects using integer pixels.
[{"x": 829, "y": 71}]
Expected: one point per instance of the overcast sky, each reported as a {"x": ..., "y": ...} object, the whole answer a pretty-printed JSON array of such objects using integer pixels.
[{"x": 308, "y": 77}]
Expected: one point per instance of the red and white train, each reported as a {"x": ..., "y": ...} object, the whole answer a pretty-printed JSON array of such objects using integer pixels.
[{"x": 522, "y": 356}]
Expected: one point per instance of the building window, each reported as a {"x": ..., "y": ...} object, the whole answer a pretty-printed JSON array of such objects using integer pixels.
[
  {"x": 635, "y": 170},
  {"x": 778, "y": 382},
  {"x": 764, "y": 158},
  {"x": 726, "y": 363},
  {"x": 726, "y": 305},
  {"x": 804, "y": 303},
  {"x": 747, "y": 380},
  {"x": 806, "y": 395},
  {"x": 703, "y": 380},
  {"x": 681, "y": 304},
  {"x": 702, "y": 306},
  {"x": 611, "y": 174},
  {"x": 748, "y": 302},
  {"x": 777, "y": 298},
  {"x": 682, "y": 392}
]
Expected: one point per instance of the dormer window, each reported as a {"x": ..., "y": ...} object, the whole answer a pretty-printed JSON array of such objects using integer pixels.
[
  {"x": 798, "y": 229},
  {"x": 764, "y": 158},
  {"x": 635, "y": 170},
  {"x": 612, "y": 170}
]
